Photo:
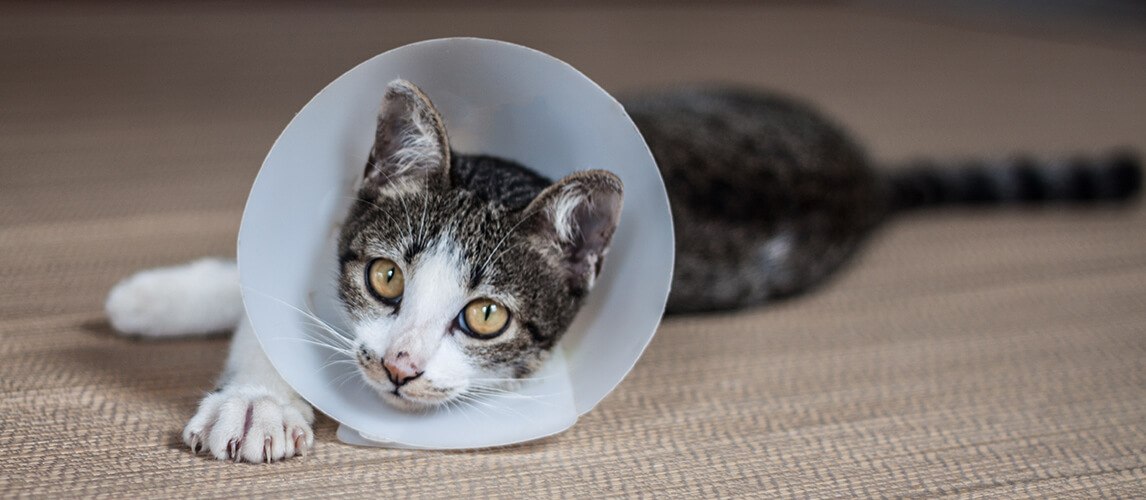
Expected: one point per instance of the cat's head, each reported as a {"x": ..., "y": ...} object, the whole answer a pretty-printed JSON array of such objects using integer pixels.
[{"x": 460, "y": 276}]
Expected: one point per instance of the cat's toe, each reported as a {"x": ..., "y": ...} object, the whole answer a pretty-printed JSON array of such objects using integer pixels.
[
  {"x": 199, "y": 427},
  {"x": 248, "y": 428},
  {"x": 299, "y": 436}
]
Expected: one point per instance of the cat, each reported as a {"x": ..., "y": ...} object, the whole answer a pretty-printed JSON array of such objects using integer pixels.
[{"x": 768, "y": 199}]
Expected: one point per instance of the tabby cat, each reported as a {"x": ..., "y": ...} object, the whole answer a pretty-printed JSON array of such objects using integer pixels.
[{"x": 768, "y": 199}]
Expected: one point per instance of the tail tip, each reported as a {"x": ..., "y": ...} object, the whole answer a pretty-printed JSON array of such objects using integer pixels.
[{"x": 1124, "y": 175}]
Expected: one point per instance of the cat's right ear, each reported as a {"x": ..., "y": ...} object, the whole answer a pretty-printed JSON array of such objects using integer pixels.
[
  {"x": 578, "y": 215},
  {"x": 410, "y": 144}
]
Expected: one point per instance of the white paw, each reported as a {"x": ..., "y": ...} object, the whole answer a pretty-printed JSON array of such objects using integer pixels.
[
  {"x": 195, "y": 298},
  {"x": 254, "y": 426}
]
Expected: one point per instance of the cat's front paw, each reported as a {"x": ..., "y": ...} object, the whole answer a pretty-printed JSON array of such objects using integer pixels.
[{"x": 254, "y": 426}]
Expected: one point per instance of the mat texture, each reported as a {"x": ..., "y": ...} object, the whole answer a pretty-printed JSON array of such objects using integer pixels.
[{"x": 966, "y": 353}]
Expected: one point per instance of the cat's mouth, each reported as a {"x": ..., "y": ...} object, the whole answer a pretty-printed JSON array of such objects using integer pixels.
[{"x": 412, "y": 396}]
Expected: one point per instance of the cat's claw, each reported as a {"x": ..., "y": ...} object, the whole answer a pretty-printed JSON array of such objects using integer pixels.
[
  {"x": 299, "y": 440},
  {"x": 229, "y": 423},
  {"x": 193, "y": 442}
]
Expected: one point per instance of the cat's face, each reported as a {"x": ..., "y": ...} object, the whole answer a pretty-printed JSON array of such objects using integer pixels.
[{"x": 453, "y": 292}]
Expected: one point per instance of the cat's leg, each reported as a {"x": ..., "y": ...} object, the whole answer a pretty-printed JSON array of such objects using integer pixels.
[
  {"x": 253, "y": 415},
  {"x": 197, "y": 298}
]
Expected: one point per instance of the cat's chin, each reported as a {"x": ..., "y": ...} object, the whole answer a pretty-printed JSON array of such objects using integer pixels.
[{"x": 406, "y": 404}]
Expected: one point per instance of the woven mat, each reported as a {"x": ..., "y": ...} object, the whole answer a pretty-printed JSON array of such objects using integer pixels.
[{"x": 971, "y": 353}]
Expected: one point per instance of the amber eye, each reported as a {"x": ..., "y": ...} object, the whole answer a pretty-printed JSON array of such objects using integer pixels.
[
  {"x": 484, "y": 319},
  {"x": 385, "y": 279}
]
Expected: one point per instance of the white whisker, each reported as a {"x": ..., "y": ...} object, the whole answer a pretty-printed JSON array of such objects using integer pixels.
[
  {"x": 309, "y": 314},
  {"x": 352, "y": 362},
  {"x": 331, "y": 364},
  {"x": 502, "y": 240},
  {"x": 402, "y": 198},
  {"x": 329, "y": 333},
  {"x": 375, "y": 205},
  {"x": 345, "y": 377},
  {"x": 510, "y": 395},
  {"x": 422, "y": 225},
  {"x": 506, "y": 250},
  {"x": 512, "y": 379},
  {"x": 488, "y": 404},
  {"x": 317, "y": 343},
  {"x": 472, "y": 402}
]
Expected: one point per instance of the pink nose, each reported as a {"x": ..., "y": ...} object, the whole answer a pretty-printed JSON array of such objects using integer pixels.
[{"x": 401, "y": 369}]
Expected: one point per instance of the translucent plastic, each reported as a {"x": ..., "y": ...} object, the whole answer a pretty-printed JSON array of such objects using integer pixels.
[{"x": 496, "y": 98}]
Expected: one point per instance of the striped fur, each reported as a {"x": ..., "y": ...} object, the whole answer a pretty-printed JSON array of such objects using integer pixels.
[{"x": 1019, "y": 179}]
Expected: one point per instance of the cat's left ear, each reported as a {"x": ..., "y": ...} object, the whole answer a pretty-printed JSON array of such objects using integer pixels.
[
  {"x": 410, "y": 143},
  {"x": 579, "y": 214}
]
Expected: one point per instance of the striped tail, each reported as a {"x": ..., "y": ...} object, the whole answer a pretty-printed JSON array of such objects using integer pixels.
[{"x": 1019, "y": 179}]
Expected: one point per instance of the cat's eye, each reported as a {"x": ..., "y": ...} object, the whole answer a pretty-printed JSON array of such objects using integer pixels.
[
  {"x": 385, "y": 279},
  {"x": 484, "y": 319}
]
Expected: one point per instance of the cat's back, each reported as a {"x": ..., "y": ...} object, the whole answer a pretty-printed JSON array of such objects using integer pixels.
[
  {"x": 745, "y": 155},
  {"x": 768, "y": 196}
]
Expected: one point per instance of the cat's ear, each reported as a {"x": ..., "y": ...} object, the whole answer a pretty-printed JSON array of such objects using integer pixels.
[
  {"x": 410, "y": 143},
  {"x": 579, "y": 214}
]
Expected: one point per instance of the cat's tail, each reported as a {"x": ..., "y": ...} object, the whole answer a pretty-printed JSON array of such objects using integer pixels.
[
  {"x": 1112, "y": 177},
  {"x": 197, "y": 298}
]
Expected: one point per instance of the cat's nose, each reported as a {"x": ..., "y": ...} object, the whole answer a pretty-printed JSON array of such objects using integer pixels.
[{"x": 401, "y": 369}]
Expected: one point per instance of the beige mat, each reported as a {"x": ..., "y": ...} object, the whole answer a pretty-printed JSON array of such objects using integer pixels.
[{"x": 993, "y": 354}]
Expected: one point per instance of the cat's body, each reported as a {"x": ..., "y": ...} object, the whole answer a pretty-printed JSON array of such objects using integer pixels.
[
  {"x": 767, "y": 196},
  {"x": 459, "y": 269}
]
